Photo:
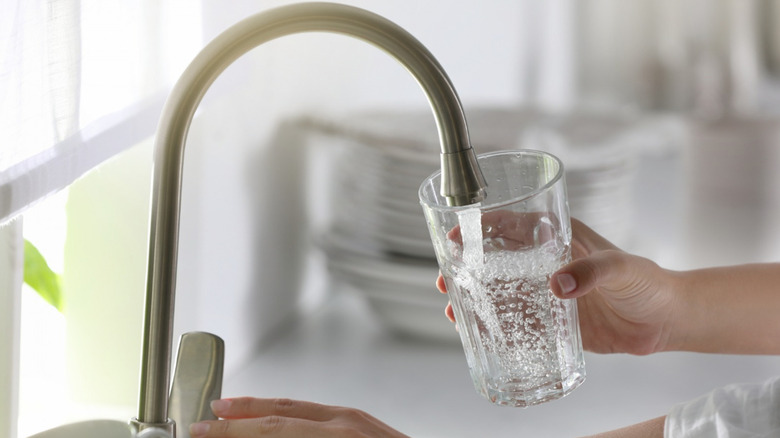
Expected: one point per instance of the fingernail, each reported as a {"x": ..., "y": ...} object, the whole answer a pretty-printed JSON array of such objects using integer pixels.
[
  {"x": 220, "y": 405},
  {"x": 567, "y": 283},
  {"x": 197, "y": 429}
]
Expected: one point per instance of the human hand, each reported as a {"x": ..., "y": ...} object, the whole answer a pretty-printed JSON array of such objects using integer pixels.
[
  {"x": 625, "y": 302},
  {"x": 248, "y": 417}
]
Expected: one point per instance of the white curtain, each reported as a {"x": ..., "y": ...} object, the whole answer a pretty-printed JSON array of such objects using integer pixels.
[
  {"x": 39, "y": 106},
  {"x": 39, "y": 90},
  {"x": 80, "y": 81},
  {"x": 72, "y": 70}
]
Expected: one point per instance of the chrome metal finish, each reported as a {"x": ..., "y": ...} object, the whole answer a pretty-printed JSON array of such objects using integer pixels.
[
  {"x": 197, "y": 380},
  {"x": 458, "y": 179},
  {"x": 166, "y": 429},
  {"x": 177, "y": 116},
  {"x": 154, "y": 432}
]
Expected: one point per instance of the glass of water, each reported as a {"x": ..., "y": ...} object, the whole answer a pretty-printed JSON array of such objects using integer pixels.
[{"x": 522, "y": 343}]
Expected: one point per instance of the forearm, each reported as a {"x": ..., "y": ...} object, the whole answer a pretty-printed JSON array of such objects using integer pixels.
[
  {"x": 732, "y": 310},
  {"x": 649, "y": 429}
]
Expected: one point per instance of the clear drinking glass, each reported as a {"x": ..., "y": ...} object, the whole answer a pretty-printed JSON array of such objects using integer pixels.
[{"x": 522, "y": 343}]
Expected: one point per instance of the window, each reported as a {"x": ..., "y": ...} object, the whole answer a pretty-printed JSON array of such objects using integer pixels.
[{"x": 80, "y": 82}]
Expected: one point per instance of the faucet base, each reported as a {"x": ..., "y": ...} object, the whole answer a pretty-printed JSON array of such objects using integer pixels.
[{"x": 153, "y": 430}]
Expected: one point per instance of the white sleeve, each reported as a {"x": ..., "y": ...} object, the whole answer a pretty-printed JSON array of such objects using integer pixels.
[{"x": 734, "y": 411}]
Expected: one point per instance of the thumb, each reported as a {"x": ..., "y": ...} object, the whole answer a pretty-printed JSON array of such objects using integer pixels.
[{"x": 585, "y": 274}]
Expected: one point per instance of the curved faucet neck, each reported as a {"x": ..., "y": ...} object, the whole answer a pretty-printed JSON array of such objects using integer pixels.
[{"x": 464, "y": 185}]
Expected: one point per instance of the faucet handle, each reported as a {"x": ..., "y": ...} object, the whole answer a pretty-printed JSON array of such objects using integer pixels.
[{"x": 197, "y": 380}]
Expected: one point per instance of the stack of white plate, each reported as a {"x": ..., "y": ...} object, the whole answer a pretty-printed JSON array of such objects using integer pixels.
[
  {"x": 599, "y": 153},
  {"x": 376, "y": 239},
  {"x": 376, "y": 197},
  {"x": 400, "y": 290}
]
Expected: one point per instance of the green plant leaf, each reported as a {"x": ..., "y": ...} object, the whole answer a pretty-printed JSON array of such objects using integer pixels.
[{"x": 39, "y": 276}]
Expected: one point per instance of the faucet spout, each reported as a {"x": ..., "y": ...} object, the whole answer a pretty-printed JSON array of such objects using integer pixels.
[{"x": 462, "y": 179}]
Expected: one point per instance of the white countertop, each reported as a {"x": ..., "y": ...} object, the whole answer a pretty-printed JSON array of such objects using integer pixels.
[{"x": 341, "y": 355}]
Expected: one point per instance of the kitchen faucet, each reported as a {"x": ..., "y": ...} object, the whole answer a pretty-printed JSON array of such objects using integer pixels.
[{"x": 199, "y": 366}]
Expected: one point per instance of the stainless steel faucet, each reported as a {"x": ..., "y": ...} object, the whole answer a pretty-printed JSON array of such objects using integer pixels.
[{"x": 462, "y": 181}]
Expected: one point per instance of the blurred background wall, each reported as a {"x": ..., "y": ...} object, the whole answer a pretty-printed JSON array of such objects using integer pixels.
[{"x": 688, "y": 91}]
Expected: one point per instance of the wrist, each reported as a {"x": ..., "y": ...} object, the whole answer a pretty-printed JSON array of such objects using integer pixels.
[{"x": 685, "y": 313}]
